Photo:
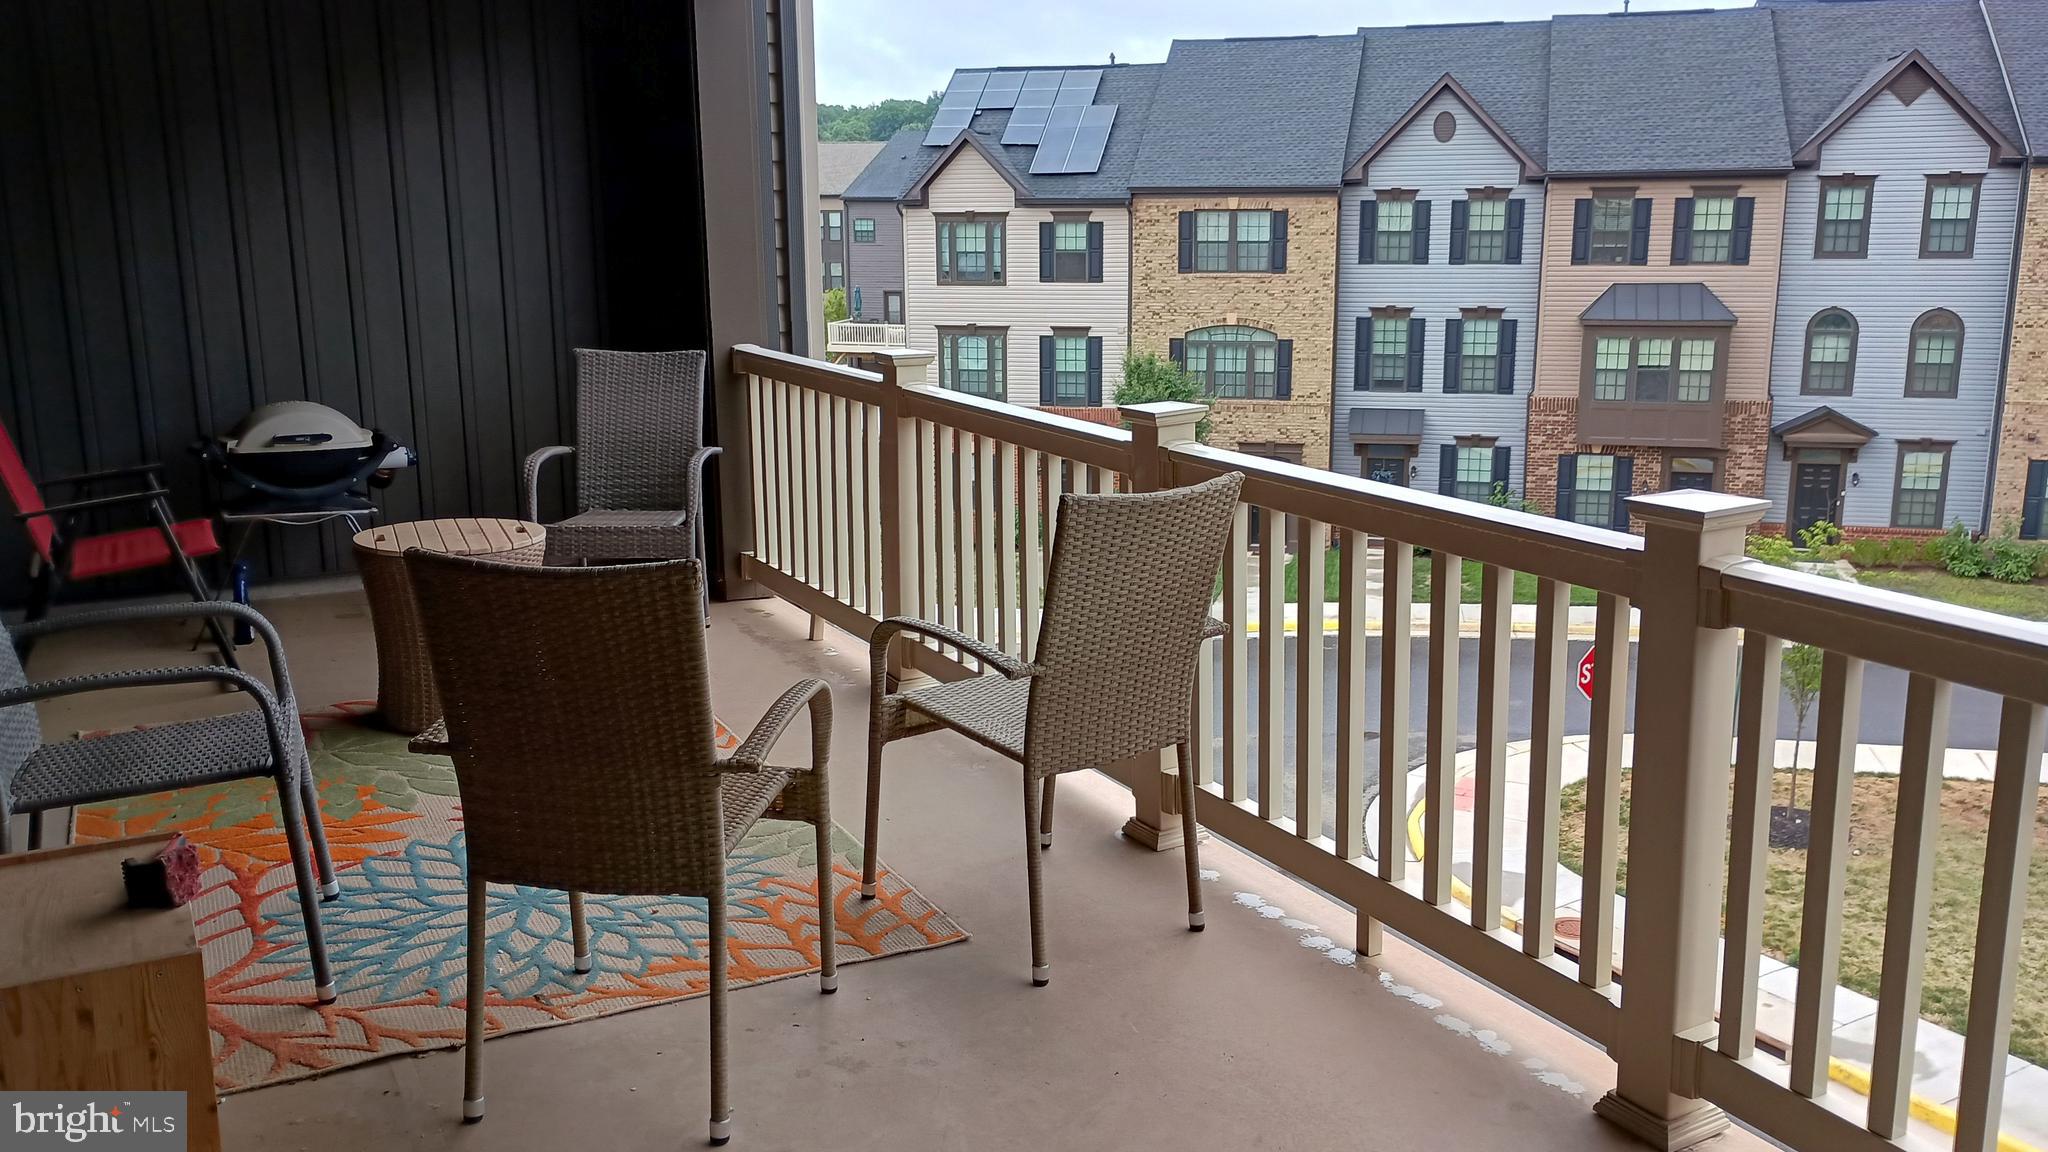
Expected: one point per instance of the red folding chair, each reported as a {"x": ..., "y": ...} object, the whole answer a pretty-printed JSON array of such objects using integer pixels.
[{"x": 62, "y": 555}]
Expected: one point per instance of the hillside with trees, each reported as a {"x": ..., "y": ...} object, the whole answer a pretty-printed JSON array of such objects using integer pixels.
[{"x": 877, "y": 121}]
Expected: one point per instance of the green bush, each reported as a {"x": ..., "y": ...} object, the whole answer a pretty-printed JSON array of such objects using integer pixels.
[
  {"x": 2014, "y": 561},
  {"x": 1868, "y": 553},
  {"x": 1822, "y": 539},
  {"x": 1771, "y": 550},
  {"x": 1903, "y": 550},
  {"x": 835, "y": 306},
  {"x": 1148, "y": 378},
  {"x": 1963, "y": 556}
]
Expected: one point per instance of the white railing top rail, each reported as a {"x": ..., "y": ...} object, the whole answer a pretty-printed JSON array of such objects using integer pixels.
[
  {"x": 825, "y": 376},
  {"x": 1998, "y": 654},
  {"x": 1081, "y": 441},
  {"x": 1597, "y": 558},
  {"x": 867, "y": 332}
]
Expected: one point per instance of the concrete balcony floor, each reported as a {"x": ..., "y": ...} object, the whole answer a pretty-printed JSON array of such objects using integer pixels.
[{"x": 1253, "y": 1034}]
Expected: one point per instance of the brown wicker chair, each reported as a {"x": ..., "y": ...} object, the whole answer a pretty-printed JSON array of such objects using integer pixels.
[
  {"x": 578, "y": 712},
  {"x": 1112, "y": 675}
]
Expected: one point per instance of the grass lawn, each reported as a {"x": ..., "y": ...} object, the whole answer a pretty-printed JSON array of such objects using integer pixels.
[
  {"x": 2027, "y": 601},
  {"x": 1525, "y": 584},
  {"x": 1952, "y": 917}
]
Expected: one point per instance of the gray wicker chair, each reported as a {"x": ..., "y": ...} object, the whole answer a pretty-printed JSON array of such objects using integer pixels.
[
  {"x": 1112, "y": 675},
  {"x": 578, "y": 711},
  {"x": 264, "y": 741},
  {"x": 640, "y": 459}
]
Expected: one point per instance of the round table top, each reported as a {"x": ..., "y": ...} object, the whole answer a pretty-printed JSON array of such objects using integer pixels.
[{"x": 456, "y": 537}]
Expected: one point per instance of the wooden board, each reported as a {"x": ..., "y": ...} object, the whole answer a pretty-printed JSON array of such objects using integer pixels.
[
  {"x": 66, "y": 913},
  {"x": 459, "y": 536}
]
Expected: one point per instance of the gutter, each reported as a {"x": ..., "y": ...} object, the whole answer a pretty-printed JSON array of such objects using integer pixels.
[{"x": 2012, "y": 287}]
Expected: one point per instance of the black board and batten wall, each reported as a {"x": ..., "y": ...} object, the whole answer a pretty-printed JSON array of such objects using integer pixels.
[{"x": 410, "y": 210}]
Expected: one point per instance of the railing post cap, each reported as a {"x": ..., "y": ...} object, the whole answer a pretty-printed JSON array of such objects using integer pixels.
[
  {"x": 1697, "y": 509},
  {"x": 900, "y": 355},
  {"x": 1163, "y": 412}
]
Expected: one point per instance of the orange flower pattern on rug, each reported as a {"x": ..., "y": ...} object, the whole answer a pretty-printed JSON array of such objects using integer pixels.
[{"x": 396, "y": 935}]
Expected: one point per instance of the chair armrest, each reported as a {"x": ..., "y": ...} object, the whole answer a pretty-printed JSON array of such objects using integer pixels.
[
  {"x": 1212, "y": 628},
  {"x": 145, "y": 496},
  {"x": 180, "y": 610},
  {"x": 996, "y": 658},
  {"x": 693, "y": 481},
  {"x": 83, "y": 478},
  {"x": 752, "y": 754},
  {"x": 534, "y": 460},
  {"x": 275, "y": 716}
]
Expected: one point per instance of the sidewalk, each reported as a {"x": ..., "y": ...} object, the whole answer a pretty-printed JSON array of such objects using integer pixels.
[{"x": 1938, "y": 1052}]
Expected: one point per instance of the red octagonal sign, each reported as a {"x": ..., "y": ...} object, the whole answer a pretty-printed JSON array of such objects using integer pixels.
[{"x": 1586, "y": 674}]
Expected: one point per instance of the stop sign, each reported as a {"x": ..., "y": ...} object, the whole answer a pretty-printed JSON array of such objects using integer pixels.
[{"x": 1586, "y": 674}]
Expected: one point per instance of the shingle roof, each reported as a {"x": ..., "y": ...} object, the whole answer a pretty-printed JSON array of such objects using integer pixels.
[
  {"x": 839, "y": 161},
  {"x": 1658, "y": 304},
  {"x": 1260, "y": 113},
  {"x": 905, "y": 158},
  {"x": 1506, "y": 68},
  {"x": 1666, "y": 92},
  {"x": 1830, "y": 54},
  {"x": 2022, "y": 30}
]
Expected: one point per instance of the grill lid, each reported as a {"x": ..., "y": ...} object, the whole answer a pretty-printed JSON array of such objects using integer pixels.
[{"x": 295, "y": 426}]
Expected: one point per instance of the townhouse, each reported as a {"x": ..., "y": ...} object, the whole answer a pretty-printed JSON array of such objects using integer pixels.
[
  {"x": 874, "y": 255},
  {"x": 839, "y": 161},
  {"x": 1439, "y": 258},
  {"x": 1893, "y": 287},
  {"x": 1234, "y": 226},
  {"x": 2019, "y": 490},
  {"x": 1662, "y": 222}
]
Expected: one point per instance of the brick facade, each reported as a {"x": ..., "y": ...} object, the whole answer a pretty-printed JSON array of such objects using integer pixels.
[
  {"x": 1554, "y": 432},
  {"x": 1299, "y": 304},
  {"x": 2023, "y": 431}
]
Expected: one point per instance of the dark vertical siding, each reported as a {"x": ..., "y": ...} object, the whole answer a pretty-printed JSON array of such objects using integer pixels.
[{"x": 385, "y": 206}]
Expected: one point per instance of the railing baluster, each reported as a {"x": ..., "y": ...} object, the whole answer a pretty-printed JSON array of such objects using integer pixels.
[
  {"x": 845, "y": 476},
  {"x": 1351, "y": 608},
  {"x": 1008, "y": 499},
  {"x": 1550, "y": 671},
  {"x": 949, "y": 530},
  {"x": 1272, "y": 659},
  {"x": 1308, "y": 678},
  {"x": 807, "y": 485},
  {"x": 1827, "y": 858},
  {"x": 1756, "y": 751},
  {"x": 1489, "y": 798},
  {"x": 1237, "y": 733},
  {"x": 832, "y": 495},
  {"x": 786, "y": 416},
  {"x": 759, "y": 429},
  {"x": 1032, "y": 576},
  {"x": 1397, "y": 631},
  {"x": 991, "y": 556},
  {"x": 966, "y": 560},
  {"x": 877, "y": 592},
  {"x": 2001, "y": 916},
  {"x": 1914, "y": 828},
  {"x": 927, "y": 515},
  {"x": 1603, "y": 791},
  {"x": 1440, "y": 775}
]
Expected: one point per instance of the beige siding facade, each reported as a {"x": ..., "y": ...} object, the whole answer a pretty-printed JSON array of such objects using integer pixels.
[
  {"x": 1025, "y": 307},
  {"x": 1299, "y": 305}
]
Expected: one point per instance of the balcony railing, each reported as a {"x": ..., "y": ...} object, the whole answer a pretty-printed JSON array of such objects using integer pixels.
[
  {"x": 863, "y": 335},
  {"x": 879, "y": 495}
]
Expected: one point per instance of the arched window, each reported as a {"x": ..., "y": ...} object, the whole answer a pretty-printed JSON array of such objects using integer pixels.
[
  {"x": 1830, "y": 353},
  {"x": 1234, "y": 362},
  {"x": 1935, "y": 360}
]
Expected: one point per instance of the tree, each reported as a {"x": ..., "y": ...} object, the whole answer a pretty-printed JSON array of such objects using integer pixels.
[
  {"x": 1148, "y": 378},
  {"x": 1802, "y": 673},
  {"x": 877, "y": 121},
  {"x": 835, "y": 305}
]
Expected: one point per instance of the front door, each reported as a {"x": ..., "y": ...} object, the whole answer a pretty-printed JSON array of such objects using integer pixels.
[
  {"x": 1814, "y": 490},
  {"x": 1387, "y": 469}
]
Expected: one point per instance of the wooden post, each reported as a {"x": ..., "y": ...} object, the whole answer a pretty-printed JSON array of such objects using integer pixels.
[
  {"x": 1154, "y": 778},
  {"x": 897, "y": 451},
  {"x": 1678, "y": 817}
]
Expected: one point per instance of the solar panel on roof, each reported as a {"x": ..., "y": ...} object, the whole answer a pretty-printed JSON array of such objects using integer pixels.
[
  {"x": 1043, "y": 78},
  {"x": 1058, "y": 140},
  {"x": 1002, "y": 90},
  {"x": 1034, "y": 104},
  {"x": 1077, "y": 88},
  {"x": 964, "y": 91},
  {"x": 948, "y": 123},
  {"x": 1091, "y": 138}
]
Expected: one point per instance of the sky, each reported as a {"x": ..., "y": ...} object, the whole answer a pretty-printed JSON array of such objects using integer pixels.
[{"x": 871, "y": 50}]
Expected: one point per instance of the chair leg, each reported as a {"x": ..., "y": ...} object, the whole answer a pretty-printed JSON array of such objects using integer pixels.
[
  {"x": 35, "y": 830},
  {"x": 1041, "y": 966},
  {"x": 330, "y": 883},
  {"x": 309, "y": 893},
  {"x": 41, "y": 591},
  {"x": 1045, "y": 817},
  {"x": 579, "y": 931},
  {"x": 873, "y": 828},
  {"x": 1197, "y": 919},
  {"x": 721, "y": 1108},
  {"x": 479, "y": 980},
  {"x": 828, "y": 912}
]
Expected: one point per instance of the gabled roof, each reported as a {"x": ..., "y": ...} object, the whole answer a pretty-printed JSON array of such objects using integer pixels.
[
  {"x": 1531, "y": 168},
  {"x": 902, "y": 159},
  {"x": 1501, "y": 70},
  {"x": 2020, "y": 28},
  {"x": 1665, "y": 93},
  {"x": 839, "y": 161},
  {"x": 1254, "y": 113},
  {"x": 1833, "y": 58},
  {"x": 1632, "y": 303},
  {"x": 1824, "y": 424},
  {"x": 974, "y": 141},
  {"x": 1884, "y": 76}
]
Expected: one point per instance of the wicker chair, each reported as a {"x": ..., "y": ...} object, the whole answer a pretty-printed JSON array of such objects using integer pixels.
[
  {"x": 640, "y": 459},
  {"x": 1126, "y": 610},
  {"x": 578, "y": 712},
  {"x": 264, "y": 741}
]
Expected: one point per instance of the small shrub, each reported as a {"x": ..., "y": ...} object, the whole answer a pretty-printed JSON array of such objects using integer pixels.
[
  {"x": 1148, "y": 378},
  {"x": 1821, "y": 538},
  {"x": 1934, "y": 550},
  {"x": 1902, "y": 551},
  {"x": 1506, "y": 497},
  {"x": 835, "y": 305},
  {"x": 2013, "y": 561},
  {"x": 1771, "y": 550},
  {"x": 1963, "y": 556},
  {"x": 1868, "y": 553}
]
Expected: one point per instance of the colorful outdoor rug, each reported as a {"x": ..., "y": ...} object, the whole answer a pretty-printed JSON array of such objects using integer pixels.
[{"x": 396, "y": 935}]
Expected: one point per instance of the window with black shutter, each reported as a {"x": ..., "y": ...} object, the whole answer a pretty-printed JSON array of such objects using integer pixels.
[{"x": 1610, "y": 227}]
